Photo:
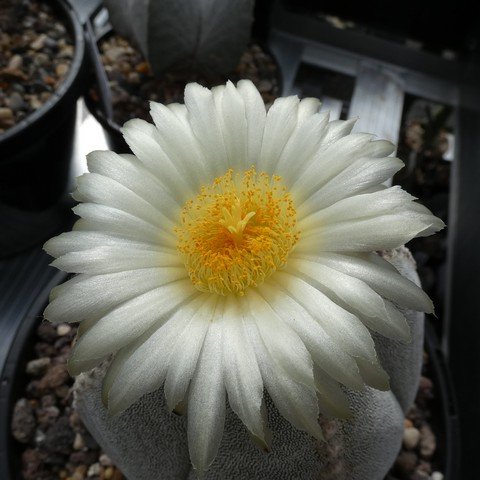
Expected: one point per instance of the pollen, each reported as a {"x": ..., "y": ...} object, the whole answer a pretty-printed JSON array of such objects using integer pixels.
[{"x": 237, "y": 232}]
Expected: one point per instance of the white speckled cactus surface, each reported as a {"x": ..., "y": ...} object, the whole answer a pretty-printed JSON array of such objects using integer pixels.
[{"x": 229, "y": 271}]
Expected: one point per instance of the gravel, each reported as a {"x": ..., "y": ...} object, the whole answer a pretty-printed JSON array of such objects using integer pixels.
[
  {"x": 132, "y": 84},
  {"x": 36, "y": 51}
]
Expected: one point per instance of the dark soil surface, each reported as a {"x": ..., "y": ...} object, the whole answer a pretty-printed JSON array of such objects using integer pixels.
[
  {"x": 132, "y": 84},
  {"x": 36, "y": 51},
  {"x": 56, "y": 445}
]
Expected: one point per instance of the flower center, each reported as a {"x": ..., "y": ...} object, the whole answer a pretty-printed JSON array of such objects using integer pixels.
[{"x": 237, "y": 232}]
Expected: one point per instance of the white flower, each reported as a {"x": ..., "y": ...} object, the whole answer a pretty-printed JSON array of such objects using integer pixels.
[{"x": 234, "y": 253}]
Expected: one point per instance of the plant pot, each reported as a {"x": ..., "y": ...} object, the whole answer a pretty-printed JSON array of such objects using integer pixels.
[
  {"x": 101, "y": 108},
  {"x": 18, "y": 349},
  {"x": 35, "y": 153}
]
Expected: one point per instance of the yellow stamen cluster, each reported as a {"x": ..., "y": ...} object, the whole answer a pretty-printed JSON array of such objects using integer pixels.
[{"x": 237, "y": 232}]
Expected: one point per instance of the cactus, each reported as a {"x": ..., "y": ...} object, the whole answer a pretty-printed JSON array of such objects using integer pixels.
[{"x": 188, "y": 37}]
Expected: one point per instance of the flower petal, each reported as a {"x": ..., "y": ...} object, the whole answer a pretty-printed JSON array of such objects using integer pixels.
[
  {"x": 243, "y": 379},
  {"x": 130, "y": 172},
  {"x": 324, "y": 352},
  {"x": 331, "y": 399},
  {"x": 283, "y": 344},
  {"x": 295, "y": 401},
  {"x": 337, "y": 156},
  {"x": 364, "y": 235},
  {"x": 85, "y": 297},
  {"x": 357, "y": 177},
  {"x": 356, "y": 296},
  {"x": 279, "y": 125},
  {"x": 95, "y": 188},
  {"x": 143, "y": 139},
  {"x": 203, "y": 118},
  {"x": 343, "y": 327},
  {"x": 373, "y": 374},
  {"x": 141, "y": 367},
  {"x": 185, "y": 355},
  {"x": 378, "y": 273},
  {"x": 256, "y": 115},
  {"x": 128, "y": 321},
  {"x": 111, "y": 221},
  {"x": 100, "y": 260},
  {"x": 206, "y": 402}
]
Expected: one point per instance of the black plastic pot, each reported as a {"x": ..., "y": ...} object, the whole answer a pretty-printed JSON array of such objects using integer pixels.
[
  {"x": 35, "y": 153},
  {"x": 25, "y": 284}
]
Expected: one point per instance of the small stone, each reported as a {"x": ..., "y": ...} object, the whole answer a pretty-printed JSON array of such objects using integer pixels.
[
  {"x": 428, "y": 443},
  {"x": 78, "y": 443},
  {"x": 79, "y": 473},
  {"x": 437, "y": 476},
  {"x": 39, "y": 42},
  {"x": 408, "y": 423},
  {"x": 23, "y": 421},
  {"x": 47, "y": 416},
  {"x": 105, "y": 460},
  {"x": 32, "y": 461},
  {"x": 56, "y": 376},
  {"x": 108, "y": 473},
  {"x": 264, "y": 86},
  {"x": 38, "y": 367},
  {"x": 15, "y": 102},
  {"x": 83, "y": 457},
  {"x": 411, "y": 437},
  {"x": 15, "y": 62},
  {"x": 59, "y": 437},
  {"x": 39, "y": 436},
  {"x": 7, "y": 118},
  {"x": 47, "y": 332},
  {"x": 406, "y": 462},
  {"x": 94, "y": 469},
  {"x": 63, "y": 329},
  {"x": 117, "y": 475},
  {"x": 419, "y": 475},
  {"x": 114, "y": 53},
  {"x": 61, "y": 69}
]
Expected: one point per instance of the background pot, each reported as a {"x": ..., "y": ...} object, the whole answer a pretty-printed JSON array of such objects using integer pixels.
[{"x": 35, "y": 153}]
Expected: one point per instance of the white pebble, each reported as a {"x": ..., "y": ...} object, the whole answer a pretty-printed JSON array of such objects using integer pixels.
[
  {"x": 63, "y": 329},
  {"x": 437, "y": 476},
  {"x": 94, "y": 469},
  {"x": 411, "y": 437},
  {"x": 105, "y": 460},
  {"x": 78, "y": 443}
]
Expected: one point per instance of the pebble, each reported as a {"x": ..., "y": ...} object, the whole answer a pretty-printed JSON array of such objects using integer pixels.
[
  {"x": 428, "y": 442},
  {"x": 411, "y": 437},
  {"x": 38, "y": 366},
  {"x": 28, "y": 56},
  {"x": 56, "y": 376},
  {"x": 15, "y": 102},
  {"x": 105, "y": 460},
  {"x": 437, "y": 476},
  {"x": 39, "y": 43},
  {"x": 15, "y": 62},
  {"x": 63, "y": 329},
  {"x": 61, "y": 69},
  {"x": 23, "y": 421},
  {"x": 94, "y": 469},
  {"x": 78, "y": 443},
  {"x": 406, "y": 462},
  {"x": 108, "y": 473}
]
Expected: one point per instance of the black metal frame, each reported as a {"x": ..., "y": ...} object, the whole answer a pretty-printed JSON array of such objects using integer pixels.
[{"x": 297, "y": 38}]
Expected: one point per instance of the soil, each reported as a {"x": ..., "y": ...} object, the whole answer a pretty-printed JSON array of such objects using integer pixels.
[
  {"x": 36, "y": 51},
  {"x": 132, "y": 83},
  {"x": 55, "y": 444}
]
